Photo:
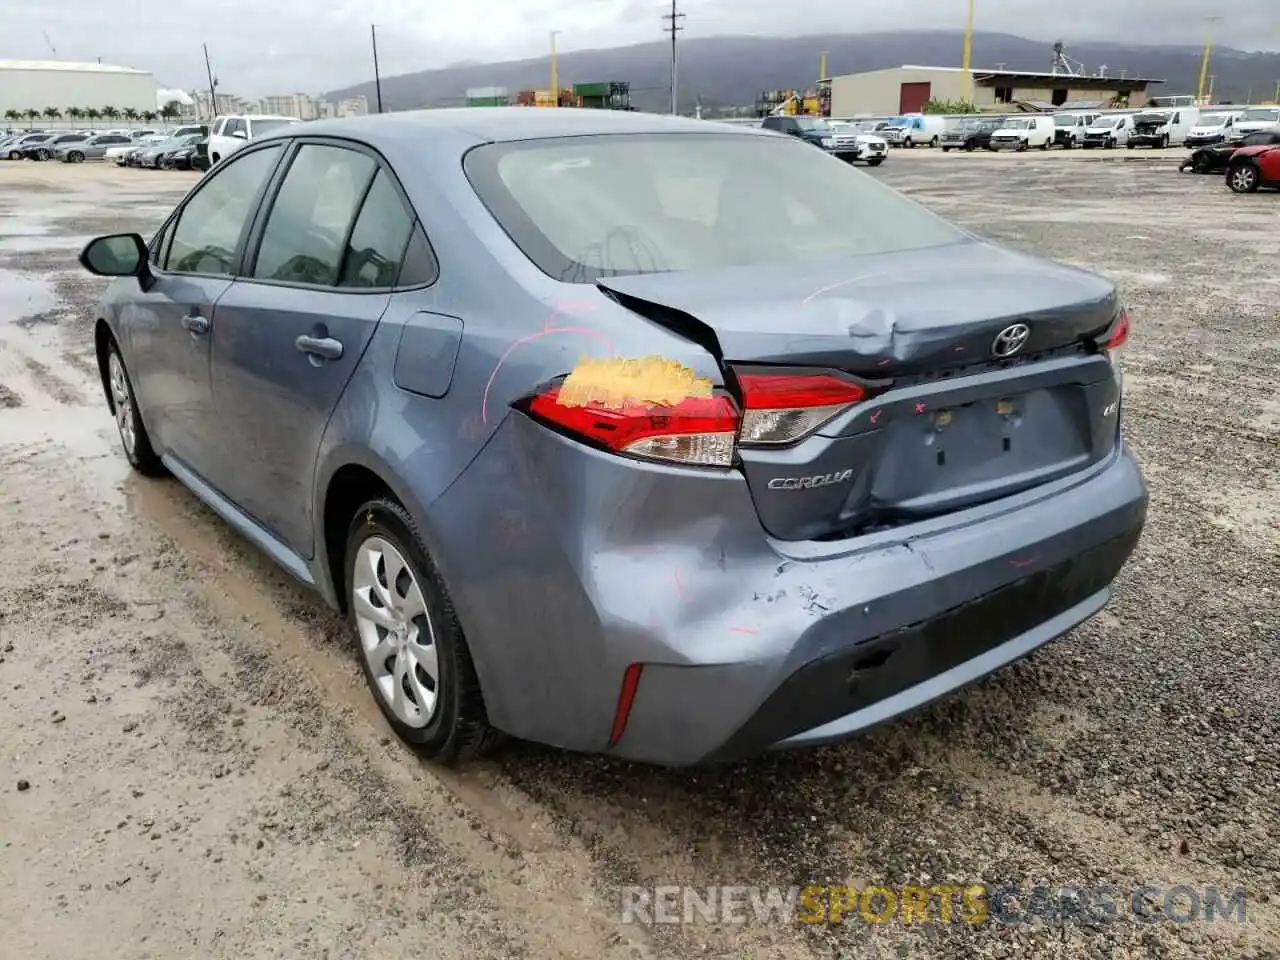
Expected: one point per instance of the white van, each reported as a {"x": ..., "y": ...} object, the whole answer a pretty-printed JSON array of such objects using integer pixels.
[
  {"x": 229, "y": 134},
  {"x": 1214, "y": 126},
  {"x": 1108, "y": 130},
  {"x": 1021, "y": 133},
  {"x": 1069, "y": 127},
  {"x": 914, "y": 129},
  {"x": 1162, "y": 127}
]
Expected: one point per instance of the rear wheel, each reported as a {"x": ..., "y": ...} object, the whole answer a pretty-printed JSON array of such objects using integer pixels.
[
  {"x": 934, "y": 141},
  {"x": 411, "y": 647},
  {"x": 1201, "y": 163},
  {"x": 1243, "y": 178},
  {"x": 75, "y": 156},
  {"x": 133, "y": 435},
  {"x": 946, "y": 149},
  {"x": 1045, "y": 145}
]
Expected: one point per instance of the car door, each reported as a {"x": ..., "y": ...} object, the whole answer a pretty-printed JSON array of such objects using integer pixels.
[
  {"x": 292, "y": 330},
  {"x": 168, "y": 327}
]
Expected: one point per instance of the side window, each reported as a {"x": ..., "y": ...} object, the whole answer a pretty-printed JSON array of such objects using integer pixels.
[
  {"x": 209, "y": 226},
  {"x": 420, "y": 264},
  {"x": 237, "y": 126},
  {"x": 306, "y": 229},
  {"x": 217, "y": 127},
  {"x": 156, "y": 250},
  {"x": 1177, "y": 118},
  {"x": 378, "y": 240}
]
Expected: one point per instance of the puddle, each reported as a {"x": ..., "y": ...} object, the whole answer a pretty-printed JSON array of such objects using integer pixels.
[{"x": 23, "y": 295}]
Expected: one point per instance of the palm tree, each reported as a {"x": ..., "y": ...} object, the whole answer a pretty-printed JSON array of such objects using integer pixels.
[
  {"x": 130, "y": 114},
  {"x": 13, "y": 116},
  {"x": 75, "y": 113},
  {"x": 149, "y": 116},
  {"x": 32, "y": 114},
  {"x": 92, "y": 114},
  {"x": 171, "y": 110},
  {"x": 110, "y": 112},
  {"x": 51, "y": 113}
]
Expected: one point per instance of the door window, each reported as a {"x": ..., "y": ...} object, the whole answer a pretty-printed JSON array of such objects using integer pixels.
[
  {"x": 234, "y": 126},
  {"x": 209, "y": 226},
  {"x": 306, "y": 231},
  {"x": 217, "y": 127},
  {"x": 378, "y": 240}
]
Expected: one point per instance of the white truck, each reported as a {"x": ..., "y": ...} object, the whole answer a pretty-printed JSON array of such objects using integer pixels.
[
  {"x": 1022, "y": 133},
  {"x": 229, "y": 134}
]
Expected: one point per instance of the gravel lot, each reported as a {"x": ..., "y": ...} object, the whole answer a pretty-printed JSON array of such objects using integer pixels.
[{"x": 190, "y": 764}]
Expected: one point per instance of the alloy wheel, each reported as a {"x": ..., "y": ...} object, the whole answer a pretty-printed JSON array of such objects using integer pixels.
[
  {"x": 1242, "y": 178},
  {"x": 396, "y": 632},
  {"x": 122, "y": 400}
]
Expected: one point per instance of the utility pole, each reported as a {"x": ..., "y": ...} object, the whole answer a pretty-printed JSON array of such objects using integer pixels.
[
  {"x": 555, "y": 71},
  {"x": 1204, "y": 61},
  {"x": 966, "y": 59},
  {"x": 213, "y": 94},
  {"x": 675, "y": 16},
  {"x": 377, "y": 78}
]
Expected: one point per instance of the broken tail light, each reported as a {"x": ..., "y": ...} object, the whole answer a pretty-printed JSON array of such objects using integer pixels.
[
  {"x": 698, "y": 431},
  {"x": 1119, "y": 335},
  {"x": 784, "y": 408}
]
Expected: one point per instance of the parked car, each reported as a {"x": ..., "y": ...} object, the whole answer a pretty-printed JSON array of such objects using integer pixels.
[
  {"x": 149, "y": 155},
  {"x": 1108, "y": 131},
  {"x": 1069, "y": 128},
  {"x": 17, "y": 148},
  {"x": 971, "y": 133},
  {"x": 179, "y": 157},
  {"x": 339, "y": 341},
  {"x": 1256, "y": 120},
  {"x": 1021, "y": 133},
  {"x": 853, "y": 144},
  {"x": 45, "y": 149},
  {"x": 914, "y": 129},
  {"x": 1251, "y": 168},
  {"x": 93, "y": 148},
  {"x": 1160, "y": 128},
  {"x": 200, "y": 156},
  {"x": 229, "y": 134},
  {"x": 1212, "y": 127},
  {"x": 1215, "y": 158},
  {"x": 127, "y": 155}
]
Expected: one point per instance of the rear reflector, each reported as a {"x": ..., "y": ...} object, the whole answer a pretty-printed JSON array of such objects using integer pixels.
[
  {"x": 626, "y": 697},
  {"x": 698, "y": 431},
  {"x": 785, "y": 408}
]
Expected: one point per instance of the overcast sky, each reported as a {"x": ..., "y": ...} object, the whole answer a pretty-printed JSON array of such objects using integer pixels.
[{"x": 260, "y": 47}]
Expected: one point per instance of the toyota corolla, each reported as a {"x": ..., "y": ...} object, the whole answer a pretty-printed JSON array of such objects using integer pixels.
[{"x": 623, "y": 433}]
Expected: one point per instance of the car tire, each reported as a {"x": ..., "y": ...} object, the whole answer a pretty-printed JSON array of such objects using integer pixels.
[
  {"x": 875, "y": 161},
  {"x": 934, "y": 141},
  {"x": 1045, "y": 146},
  {"x": 946, "y": 149},
  {"x": 1164, "y": 142},
  {"x": 75, "y": 156},
  {"x": 15, "y": 155},
  {"x": 42, "y": 154},
  {"x": 1111, "y": 143},
  {"x": 1243, "y": 178},
  {"x": 455, "y": 728},
  {"x": 1201, "y": 164},
  {"x": 133, "y": 434}
]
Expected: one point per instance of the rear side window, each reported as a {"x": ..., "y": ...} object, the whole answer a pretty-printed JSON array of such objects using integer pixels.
[
  {"x": 208, "y": 229},
  {"x": 378, "y": 239},
  {"x": 582, "y": 208},
  {"x": 305, "y": 236}
]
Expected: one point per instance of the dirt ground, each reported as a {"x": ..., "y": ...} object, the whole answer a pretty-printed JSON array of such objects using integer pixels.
[{"x": 190, "y": 765}]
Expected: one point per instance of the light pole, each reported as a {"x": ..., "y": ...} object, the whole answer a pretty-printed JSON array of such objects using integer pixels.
[
  {"x": 966, "y": 71},
  {"x": 1204, "y": 61},
  {"x": 555, "y": 71}
]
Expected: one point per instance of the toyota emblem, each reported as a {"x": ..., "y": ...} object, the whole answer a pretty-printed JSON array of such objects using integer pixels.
[{"x": 1010, "y": 340}]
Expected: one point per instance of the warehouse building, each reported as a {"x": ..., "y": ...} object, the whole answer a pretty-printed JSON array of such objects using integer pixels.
[
  {"x": 907, "y": 89},
  {"x": 44, "y": 84}
]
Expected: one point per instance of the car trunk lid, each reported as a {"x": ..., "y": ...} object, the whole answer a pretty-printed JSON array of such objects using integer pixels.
[{"x": 945, "y": 423}]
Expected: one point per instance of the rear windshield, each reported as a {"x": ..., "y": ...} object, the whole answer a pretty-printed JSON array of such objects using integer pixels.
[
  {"x": 582, "y": 208},
  {"x": 1260, "y": 114}
]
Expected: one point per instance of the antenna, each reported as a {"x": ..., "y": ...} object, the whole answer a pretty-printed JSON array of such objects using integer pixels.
[{"x": 675, "y": 16}]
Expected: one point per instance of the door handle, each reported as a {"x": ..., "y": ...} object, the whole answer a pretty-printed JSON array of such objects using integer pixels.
[
  {"x": 196, "y": 323},
  {"x": 324, "y": 347}
]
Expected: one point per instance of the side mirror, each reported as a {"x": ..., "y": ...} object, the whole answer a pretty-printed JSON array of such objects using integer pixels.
[
  {"x": 118, "y": 255},
  {"x": 240, "y": 135}
]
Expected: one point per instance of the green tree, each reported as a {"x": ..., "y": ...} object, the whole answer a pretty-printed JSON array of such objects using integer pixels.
[
  {"x": 75, "y": 113},
  {"x": 32, "y": 114},
  {"x": 51, "y": 113},
  {"x": 130, "y": 114},
  {"x": 949, "y": 106},
  {"x": 110, "y": 112},
  {"x": 171, "y": 110},
  {"x": 13, "y": 116},
  {"x": 149, "y": 116}
]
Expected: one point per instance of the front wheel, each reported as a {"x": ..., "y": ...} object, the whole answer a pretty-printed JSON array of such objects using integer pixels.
[
  {"x": 411, "y": 646},
  {"x": 1201, "y": 164},
  {"x": 15, "y": 155},
  {"x": 1243, "y": 178},
  {"x": 42, "y": 154},
  {"x": 75, "y": 156},
  {"x": 946, "y": 149},
  {"x": 133, "y": 435},
  {"x": 875, "y": 161},
  {"x": 1164, "y": 142},
  {"x": 933, "y": 142}
]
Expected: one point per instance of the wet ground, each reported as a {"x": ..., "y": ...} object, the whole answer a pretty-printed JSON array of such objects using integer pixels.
[{"x": 191, "y": 766}]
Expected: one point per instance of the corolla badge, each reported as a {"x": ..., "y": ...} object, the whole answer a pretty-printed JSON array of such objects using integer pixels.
[
  {"x": 1010, "y": 340},
  {"x": 809, "y": 483}
]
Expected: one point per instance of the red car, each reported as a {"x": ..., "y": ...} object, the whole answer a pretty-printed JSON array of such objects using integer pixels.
[{"x": 1254, "y": 167}]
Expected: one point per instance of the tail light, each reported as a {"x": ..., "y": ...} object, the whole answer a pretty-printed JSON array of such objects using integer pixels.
[
  {"x": 698, "y": 431},
  {"x": 784, "y": 408},
  {"x": 777, "y": 409},
  {"x": 1119, "y": 335}
]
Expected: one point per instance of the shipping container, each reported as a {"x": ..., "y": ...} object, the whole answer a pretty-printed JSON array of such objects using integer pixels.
[
  {"x": 592, "y": 89},
  {"x": 486, "y": 93},
  {"x": 486, "y": 101}
]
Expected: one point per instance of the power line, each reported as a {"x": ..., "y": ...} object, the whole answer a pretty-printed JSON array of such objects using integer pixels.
[{"x": 674, "y": 28}]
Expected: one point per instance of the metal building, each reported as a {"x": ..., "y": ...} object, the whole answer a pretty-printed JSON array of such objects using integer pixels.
[
  {"x": 907, "y": 89},
  {"x": 44, "y": 84}
]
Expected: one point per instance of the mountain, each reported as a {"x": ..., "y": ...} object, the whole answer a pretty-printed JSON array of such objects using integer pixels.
[{"x": 734, "y": 70}]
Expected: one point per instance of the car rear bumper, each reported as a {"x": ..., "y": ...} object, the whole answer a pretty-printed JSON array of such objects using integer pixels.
[{"x": 592, "y": 563}]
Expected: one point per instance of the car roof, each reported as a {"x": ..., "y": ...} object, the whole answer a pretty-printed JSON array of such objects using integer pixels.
[{"x": 505, "y": 124}]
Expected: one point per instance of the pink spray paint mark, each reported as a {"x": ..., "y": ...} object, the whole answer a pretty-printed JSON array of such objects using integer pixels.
[
  {"x": 684, "y": 595},
  {"x": 919, "y": 408},
  {"x": 744, "y": 630},
  {"x": 1019, "y": 564},
  {"x": 875, "y": 416},
  {"x": 548, "y": 328}
]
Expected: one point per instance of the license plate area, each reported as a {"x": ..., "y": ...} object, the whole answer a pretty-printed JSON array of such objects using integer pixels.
[{"x": 946, "y": 454}]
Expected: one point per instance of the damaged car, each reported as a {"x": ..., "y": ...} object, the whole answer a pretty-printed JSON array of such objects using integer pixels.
[{"x": 680, "y": 473}]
